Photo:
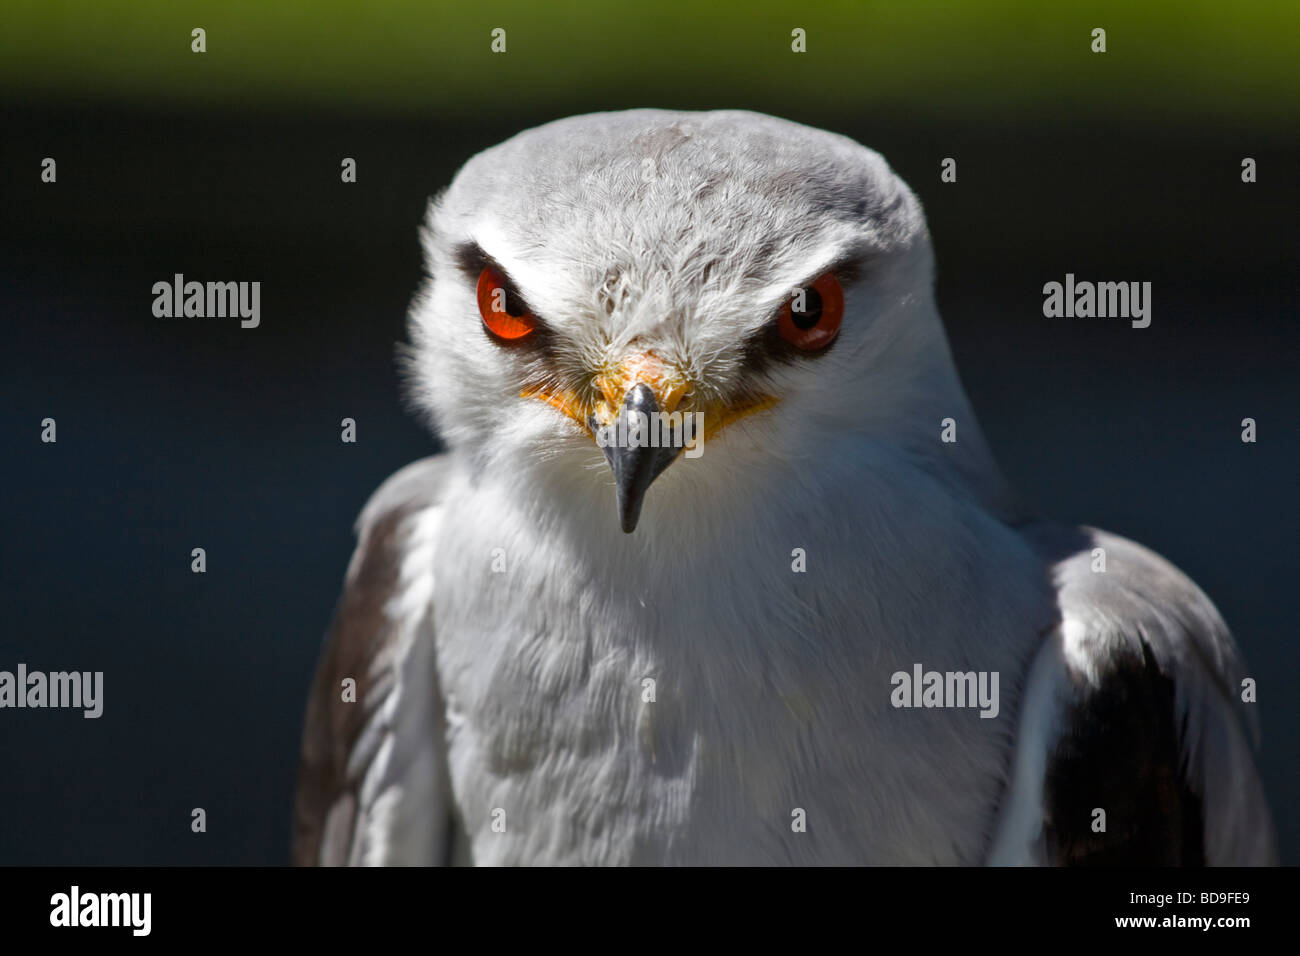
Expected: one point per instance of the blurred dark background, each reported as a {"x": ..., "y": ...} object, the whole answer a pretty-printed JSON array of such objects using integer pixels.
[{"x": 183, "y": 433}]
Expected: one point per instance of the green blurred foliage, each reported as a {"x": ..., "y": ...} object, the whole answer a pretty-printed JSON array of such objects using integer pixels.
[{"x": 1179, "y": 59}]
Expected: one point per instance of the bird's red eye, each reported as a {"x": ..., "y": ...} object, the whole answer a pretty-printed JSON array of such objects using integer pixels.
[
  {"x": 504, "y": 318},
  {"x": 810, "y": 320}
]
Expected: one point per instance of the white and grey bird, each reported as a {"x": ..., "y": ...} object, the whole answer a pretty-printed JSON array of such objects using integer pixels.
[{"x": 572, "y": 650}]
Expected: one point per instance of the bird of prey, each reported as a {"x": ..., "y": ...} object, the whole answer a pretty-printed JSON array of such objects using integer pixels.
[{"x": 570, "y": 645}]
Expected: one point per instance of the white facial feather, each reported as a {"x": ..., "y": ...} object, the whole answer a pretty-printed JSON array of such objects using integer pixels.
[{"x": 684, "y": 233}]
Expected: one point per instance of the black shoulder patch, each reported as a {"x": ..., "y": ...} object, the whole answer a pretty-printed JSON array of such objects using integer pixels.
[{"x": 1121, "y": 755}]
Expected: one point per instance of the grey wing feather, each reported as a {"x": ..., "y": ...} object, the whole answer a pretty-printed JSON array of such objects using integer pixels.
[
  {"x": 1133, "y": 707},
  {"x": 372, "y": 783}
]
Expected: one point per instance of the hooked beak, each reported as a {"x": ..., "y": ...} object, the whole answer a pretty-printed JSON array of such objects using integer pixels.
[
  {"x": 625, "y": 418},
  {"x": 635, "y": 464}
]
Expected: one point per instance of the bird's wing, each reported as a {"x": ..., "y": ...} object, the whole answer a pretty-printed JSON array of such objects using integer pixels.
[
  {"x": 372, "y": 784},
  {"x": 1132, "y": 745}
]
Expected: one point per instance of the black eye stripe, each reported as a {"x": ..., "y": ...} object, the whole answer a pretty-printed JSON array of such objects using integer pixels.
[
  {"x": 766, "y": 346},
  {"x": 763, "y": 347},
  {"x": 472, "y": 260}
]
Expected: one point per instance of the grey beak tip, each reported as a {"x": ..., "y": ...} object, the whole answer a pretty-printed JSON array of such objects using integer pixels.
[{"x": 636, "y": 466}]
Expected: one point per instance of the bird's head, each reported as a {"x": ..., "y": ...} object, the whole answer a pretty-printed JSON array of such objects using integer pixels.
[{"x": 724, "y": 293}]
